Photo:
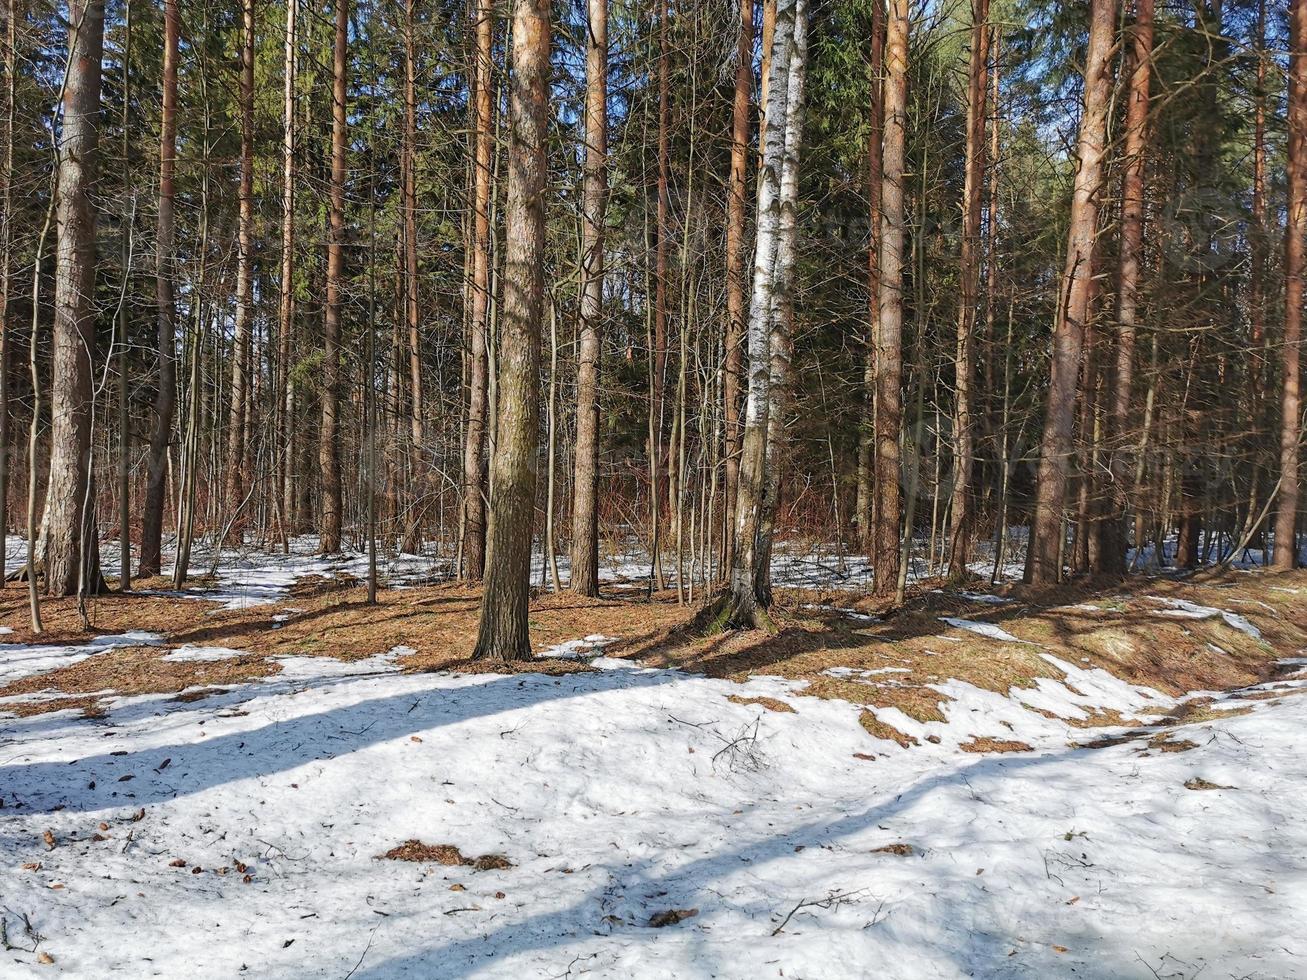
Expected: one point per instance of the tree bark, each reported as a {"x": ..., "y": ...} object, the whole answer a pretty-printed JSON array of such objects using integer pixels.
[
  {"x": 72, "y": 551},
  {"x": 6, "y": 250},
  {"x": 585, "y": 514},
  {"x": 736, "y": 280},
  {"x": 1286, "y": 514},
  {"x": 1043, "y": 559},
  {"x": 960, "y": 529},
  {"x": 865, "y": 501},
  {"x": 1127, "y": 279},
  {"x": 286, "y": 306},
  {"x": 889, "y": 320},
  {"x": 474, "y": 506},
  {"x": 743, "y": 605},
  {"x": 165, "y": 304},
  {"x": 503, "y": 633},
  {"x": 329, "y": 435},
  {"x": 238, "y": 419},
  {"x": 413, "y": 532}
]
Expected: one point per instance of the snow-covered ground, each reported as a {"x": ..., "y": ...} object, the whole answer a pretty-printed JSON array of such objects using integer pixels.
[{"x": 239, "y": 835}]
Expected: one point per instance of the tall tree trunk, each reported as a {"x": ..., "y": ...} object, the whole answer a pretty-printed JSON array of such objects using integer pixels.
[
  {"x": 413, "y": 533},
  {"x": 889, "y": 320},
  {"x": 6, "y": 249},
  {"x": 1043, "y": 559},
  {"x": 72, "y": 551},
  {"x": 503, "y": 633},
  {"x": 1127, "y": 278},
  {"x": 329, "y": 435},
  {"x": 585, "y": 514},
  {"x": 865, "y": 502},
  {"x": 1286, "y": 514},
  {"x": 736, "y": 280},
  {"x": 661, "y": 235},
  {"x": 242, "y": 344},
  {"x": 286, "y": 307},
  {"x": 961, "y": 514},
  {"x": 121, "y": 338},
  {"x": 743, "y": 605},
  {"x": 474, "y": 505},
  {"x": 963, "y": 437},
  {"x": 165, "y": 303}
]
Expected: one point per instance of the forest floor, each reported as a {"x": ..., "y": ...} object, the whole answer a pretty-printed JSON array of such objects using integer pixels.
[{"x": 265, "y": 777}]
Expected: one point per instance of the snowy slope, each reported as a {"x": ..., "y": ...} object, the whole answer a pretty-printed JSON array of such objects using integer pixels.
[{"x": 624, "y": 793}]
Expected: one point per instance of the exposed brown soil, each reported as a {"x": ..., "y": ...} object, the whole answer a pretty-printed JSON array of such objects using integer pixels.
[{"x": 771, "y": 704}]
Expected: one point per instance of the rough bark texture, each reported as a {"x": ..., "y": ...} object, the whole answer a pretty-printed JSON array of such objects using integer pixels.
[
  {"x": 889, "y": 320},
  {"x": 474, "y": 506},
  {"x": 329, "y": 437},
  {"x": 865, "y": 503},
  {"x": 285, "y": 455},
  {"x": 238, "y": 420},
  {"x": 413, "y": 530},
  {"x": 1127, "y": 281},
  {"x": 6, "y": 248},
  {"x": 69, "y": 523},
  {"x": 165, "y": 305},
  {"x": 1286, "y": 514},
  {"x": 736, "y": 278},
  {"x": 960, "y": 521},
  {"x": 503, "y": 633},
  {"x": 1043, "y": 559},
  {"x": 585, "y": 513}
]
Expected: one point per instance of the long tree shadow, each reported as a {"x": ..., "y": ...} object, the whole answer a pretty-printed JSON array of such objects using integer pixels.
[
  {"x": 246, "y": 754},
  {"x": 587, "y": 920}
]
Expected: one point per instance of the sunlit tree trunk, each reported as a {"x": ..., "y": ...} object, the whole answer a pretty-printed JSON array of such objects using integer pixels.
[
  {"x": 413, "y": 532},
  {"x": 6, "y": 249},
  {"x": 585, "y": 514},
  {"x": 503, "y": 633},
  {"x": 889, "y": 318},
  {"x": 72, "y": 551},
  {"x": 329, "y": 435},
  {"x": 865, "y": 502},
  {"x": 736, "y": 278},
  {"x": 1043, "y": 560},
  {"x": 1127, "y": 278},
  {"x": 960, "y": 521},
  {"x": 1286, "y": 514},
  {"x": 165, "y": 303},
  {"x": 286, "y": 308},
  {"x": 474, "y": 507},
  {"x": 238, "y": 420}
]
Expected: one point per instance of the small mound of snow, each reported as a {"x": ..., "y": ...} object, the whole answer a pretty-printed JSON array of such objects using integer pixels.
[
  {"x": 1183, "y": 609},
  {"x": 983, "y": 629},
  {"x": 577, "y": 649},
  {"x": 194, "y": 654}
]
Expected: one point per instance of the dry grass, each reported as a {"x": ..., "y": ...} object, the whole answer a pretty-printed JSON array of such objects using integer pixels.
[
  {"x": 1122, "y": 634},
  {"x": 984, "y": 744},
  {"x": 771, "y": 704},
  {"x": 446, "y": 854}
]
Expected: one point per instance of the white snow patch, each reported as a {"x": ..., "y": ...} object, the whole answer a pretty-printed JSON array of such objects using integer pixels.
[
  {"x": 1184, "y": 609},
  {"x": 983, "y": 629}
]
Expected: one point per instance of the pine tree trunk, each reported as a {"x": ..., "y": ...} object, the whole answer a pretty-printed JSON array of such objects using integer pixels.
[
  {"x": 6, "y": 249},
  {"x": 657, "y": 455},
  {"x": 286, "y": 307},
  {"x": 736, "y": 279},
  {"x": 238, "y": 419},
  {"x": 960, "y": 529},
  {"x": 474, "y": 506},
  {"x": 1139, "y": 67},
  {"x": 585, "y": 514},
  {"x": 503, "y": 634},
  {"x": 1286, "y": 514},
  {"x": 72, "y": 551},
  {"x": 889, "y": 320},
  {"x": 1043, "y": 559},
  {"x": 165, "y": 303},
  {"x": 329, "y": 435},
  {"x": 421, "y": 485},
  {"x": 865, "y": 503}
]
